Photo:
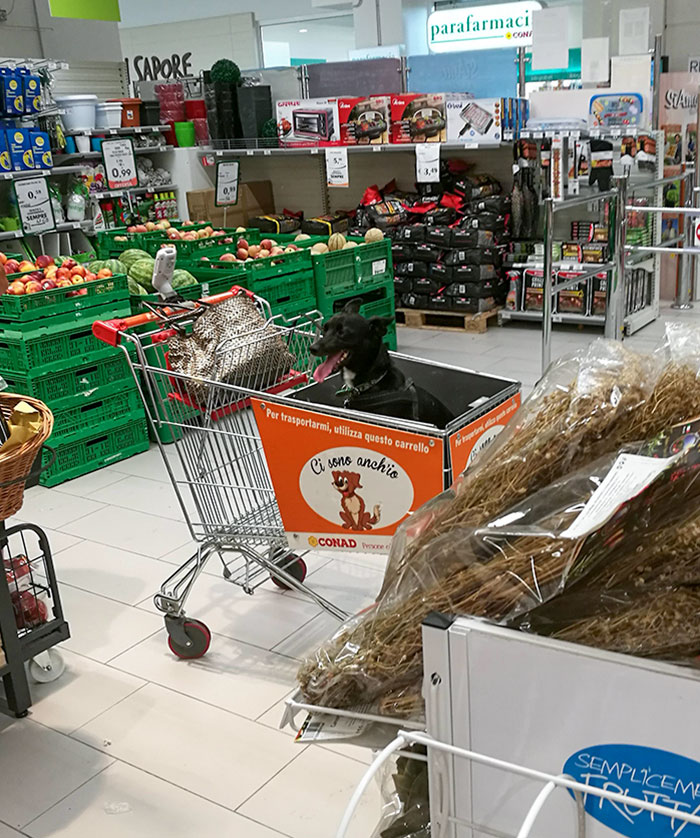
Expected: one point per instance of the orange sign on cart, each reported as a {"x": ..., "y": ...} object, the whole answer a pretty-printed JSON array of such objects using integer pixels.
[
  {"x": 468, "y": 441},
  {"x": 342, "y": 484}
]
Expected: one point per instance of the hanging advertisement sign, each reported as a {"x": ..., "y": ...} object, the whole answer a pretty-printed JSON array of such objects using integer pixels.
[{"x": 482, "y": 27}]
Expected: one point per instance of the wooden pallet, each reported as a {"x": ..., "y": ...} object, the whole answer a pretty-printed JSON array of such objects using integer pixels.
[{"x": 455, "y": 321}]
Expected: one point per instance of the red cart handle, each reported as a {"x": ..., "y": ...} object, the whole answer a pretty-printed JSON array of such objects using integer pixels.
[{"x": 109, "y": 331}]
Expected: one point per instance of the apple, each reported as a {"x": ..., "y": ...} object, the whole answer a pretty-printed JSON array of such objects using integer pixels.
[
  {"x": 89, "y": 276},
  {"x": 264, "y": 253},
  {"x": 12, "y": 266},
  {"x": 227, "y": 240},
  {"x": 16, "y": 288},
  {"x": 37, "y": 275},
  {"x": 63, "y": 283},
  {"x": 229, "y": 257},
  {"x": 266, "y": 244},
  {"x": 290, "y": 249},
  {"x": 25, "y": 266},
  {"x": 150, "y": 226},
  {"x": 131, "y": 229},
  {"x": 187, "y": 223},
  {"x": 78, "y": 270},
  {"x": 104, "y": 273},
  {"x": 3, "y": 258},
  {"x": 204, "y": 259},
  {"x": 243, "y": 243},
  {"x": 189, "y": 237},
  {"x": 63, "y": 273},
  {"x": 242, "y": 253},
  {"x": 76, "y": 279},
  {"x": 209, "y": 229},
  {"x": 32, "y": 287},
  {"x": 276, "y": 251},
  {"x": 68, "y": 263},
  {"x": 241, "y": 229},
  {"x": 140, "y": 228},
  {"x": 254, "y": 250},
  {"x": 48, "y": 284}
]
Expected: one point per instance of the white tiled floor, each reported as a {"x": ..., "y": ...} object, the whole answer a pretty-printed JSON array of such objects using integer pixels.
[{"x": 130, "y": 740}]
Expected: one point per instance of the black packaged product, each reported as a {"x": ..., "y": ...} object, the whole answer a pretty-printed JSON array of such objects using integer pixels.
[
  {"x": 275, "y": 223},
  {"x": 401, "y": 252},
  {"x": 473, "y": 305},
  {"x": 486, "y": 221},
  {"x": 594, "y": 252},
  {"x": 474, "y": 273},
  {"x": 432, "y": 189},
  {"x": 500, "y": 204},
  {"x": 477, "y": 186},
  {"x": 533, "y": 283},
  {"x": 440, "y": 271},
  {"x": 411, "y": 269},
  {"x": 426, "y": 252},
  {"x": 472, "y": 289},
  {"x": 440, "y": 302},
  {"x": 598, "y": 294},
  {"x": 571, "y": 300},
  {"x": 440, "y": 236},
  {"x": 324, "y": 225},
  {"x": 412, "y": 233},
  {"x": 440, "y": 215},
  {"x": 472, "y": 256},
  {"x": 470, "y": 237},
  {"x": 385, "y": 214},
  {"x": 415, "y": 300},
  {"x": 423, "y": 285},
  {"x": 403, "y": 284}
]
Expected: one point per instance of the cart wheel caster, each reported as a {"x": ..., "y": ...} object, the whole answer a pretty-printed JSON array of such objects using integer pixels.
[
  {"x": 294, "y": 566},
  {"x": 22, "y": 715},
  {"x": 198, "y": 635},
  {"x": 47, "y": 667}
]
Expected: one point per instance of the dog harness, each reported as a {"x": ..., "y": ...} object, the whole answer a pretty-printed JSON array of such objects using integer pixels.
[{"x": 360, "y": 398}]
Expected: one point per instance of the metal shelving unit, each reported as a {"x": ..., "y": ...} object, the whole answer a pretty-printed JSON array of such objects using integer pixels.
[
  {"x": 56, "y": 170},
  {"x": 131, "y": 129},
  {"x": 97, "y": 155}
]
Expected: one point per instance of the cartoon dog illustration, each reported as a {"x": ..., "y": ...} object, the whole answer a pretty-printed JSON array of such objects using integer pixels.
[{"x": 353, "y": 514}]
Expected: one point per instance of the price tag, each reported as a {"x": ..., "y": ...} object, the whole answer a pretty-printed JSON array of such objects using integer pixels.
[
  {"x": 337, "y": 172},
  {"x": 428, "y": 162},
  {"x": 34, "y": 204},
  {"x": 119, "y": 162},
  {"x": 227, "y": 172}
]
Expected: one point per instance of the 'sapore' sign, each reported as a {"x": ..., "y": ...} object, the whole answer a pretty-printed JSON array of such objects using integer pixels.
[
  {"x": 649, "y": 774},
  {"x": 482, "y": 27}
]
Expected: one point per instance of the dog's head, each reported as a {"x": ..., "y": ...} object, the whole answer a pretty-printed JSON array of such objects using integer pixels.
[
  {"x": 346, "y": 482},
  {"x": 349, "y": 340}
]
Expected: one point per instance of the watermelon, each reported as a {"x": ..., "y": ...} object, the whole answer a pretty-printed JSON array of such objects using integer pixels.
[
  {"x": 128, "y": 257},
  {"x": 142, "y": 272},
  {"x": 96, "y": 265},
  {"x": 182, "y": 278},
  {"x": 116, "y": 266},
  {"x": 136, "y": 289}
]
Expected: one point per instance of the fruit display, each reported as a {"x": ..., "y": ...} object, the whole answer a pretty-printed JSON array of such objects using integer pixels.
[
  {"x": 48, "y": 272},
  {"x": 138, "y": 267},
  {"x": 247, "y": 252}
]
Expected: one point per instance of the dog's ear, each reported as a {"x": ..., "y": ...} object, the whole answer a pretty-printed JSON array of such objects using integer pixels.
[
  {"x": 380, "y": 324},
  {"x": 353, "y": 306}
]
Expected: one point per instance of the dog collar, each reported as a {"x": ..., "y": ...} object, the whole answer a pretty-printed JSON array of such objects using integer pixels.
[{"x": 356, "y": 390}]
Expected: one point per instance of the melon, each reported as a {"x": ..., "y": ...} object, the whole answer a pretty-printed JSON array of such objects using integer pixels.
[
  {"x": 96, "y": 266},
  {"x": 374, "y": 234},
  {"x": 302, "y": 237},
  {"x": 128, "y": 257},
  {"x": 142, "y": 272},
  {"x": 115, "y": 265},
  {"x": 319, "y": 248},
  {"x": 182, "y": 278},
  {"x": 337, "y": 241},
  {"x": 349, "y": 245}
]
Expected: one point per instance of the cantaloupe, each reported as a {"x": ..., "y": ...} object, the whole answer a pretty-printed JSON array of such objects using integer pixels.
[
  {"x": 302, "y": 237},
  {"x": 374, "y": 234},
  {"x": 348, "y": 245},
  {"x": 336, "y": 241},
  {"x": 319, "y": 248}
]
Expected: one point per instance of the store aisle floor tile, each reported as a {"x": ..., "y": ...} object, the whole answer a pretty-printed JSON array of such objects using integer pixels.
[
  {"x": 103, "y": 628},
  {"x": 39, "y": 767},
  {"x": 140, "y": 532},
  {"x": 110, "y": 571},
  {"x": 232, "y": 675},
  {"x": 125, "y": 801},
  {"x": 140, "y": 493},
  {"x": 307, "y": 798},
  {"x": 48, "y": 508},
  {"x": 215, "y": 754},
  {"x": 84, "y": 690},
  {"x": 8, "y": 832}
]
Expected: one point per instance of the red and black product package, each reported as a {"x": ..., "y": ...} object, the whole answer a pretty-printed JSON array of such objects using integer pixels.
[
  {"x": 497, "y": 224},
  {"x": 385, "y": 214},
  {"x": 473, "y": 256},
  {"x": 598, "y": 294},
  {"x": 442, "y": 272},
  {"x": 403, "y": 284},
  {"x": 472, "y": 305},
  {"x": 499, "y": 204},
  {"x": 571, "y": 300},
  {"x": 426, "y": 252},
  {"x": 487, "y": 288},
  {"x": 411, "y": 269},
  {"x": 423, "y": 285},
  {"x": 401, "y": 252},
  {"x": 275, "y": 223},
  {"x": 440, "y": 236},
  {"x": 476, "y": 187},
  {"x": 415, "y": 300},
  {"x": 533, "y": 283},
  {"x": 474, "y": 273},
  {"x": 470, "y": 237},
  {"x": 324, "y": 225},
  {"x": 439, "y": 302},
  {"x": 412, "y": 233}
]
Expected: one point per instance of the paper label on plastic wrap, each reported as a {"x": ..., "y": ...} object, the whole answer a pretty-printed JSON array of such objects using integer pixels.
[
  {"x": 629, "y": 475},
  {"x": 428, "y": 162},
  {"x": 325, "y": 728}
]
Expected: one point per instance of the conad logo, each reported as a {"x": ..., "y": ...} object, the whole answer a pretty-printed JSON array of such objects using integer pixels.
[{"x": 347, "y": 543}]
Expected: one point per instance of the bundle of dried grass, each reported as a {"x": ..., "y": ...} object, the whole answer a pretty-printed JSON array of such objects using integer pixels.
[
  {"x": 664, "y": 626},
  {"x": 610, "y": 404}
]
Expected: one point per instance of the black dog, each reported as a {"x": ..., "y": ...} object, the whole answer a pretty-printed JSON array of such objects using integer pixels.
[{"x": 373, "y": 383}]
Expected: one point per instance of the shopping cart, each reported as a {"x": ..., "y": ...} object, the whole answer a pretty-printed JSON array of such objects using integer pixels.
[{"x": 218, "y": 470}]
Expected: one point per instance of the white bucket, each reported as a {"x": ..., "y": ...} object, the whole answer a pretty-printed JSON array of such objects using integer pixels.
[
  {"x": 79, "y": 111},
  {"x": 108, "y": 115}
]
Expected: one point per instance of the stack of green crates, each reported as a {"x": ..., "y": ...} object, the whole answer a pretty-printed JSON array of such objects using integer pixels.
[{"x": 47, "y": 350}]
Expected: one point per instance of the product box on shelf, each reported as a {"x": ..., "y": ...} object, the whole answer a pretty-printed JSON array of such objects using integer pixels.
[
  {"x": 308, "y": 122},
  {"x": 418, "y": 118},
  {"x": 41, "y": 150},
  {"x": 275, "y": 223},
  {"x": 571, "y": 300},
  {"x": 532, "y": 288},
  {"x": 5, "y": 159},
  {"x": 31, "y": 89},
  {"x": 598, "y": 294},
  {"x": 20, "y": 146},
  {"x": 12, "y": 92},
  {"x": 254, "y": 198},
  {"x": 474, "y": 120},
  {"x": 364, "y": 120},
  {"x": 324, "y": 225}
]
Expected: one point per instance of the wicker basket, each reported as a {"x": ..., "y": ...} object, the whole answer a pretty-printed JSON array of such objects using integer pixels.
[{"x": 16, "y": 465}]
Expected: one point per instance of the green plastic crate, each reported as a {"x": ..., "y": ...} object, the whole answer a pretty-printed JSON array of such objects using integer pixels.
[
  {"x": 152, "y": 242},
  {"x": 97, "y": 448},
  {"x": 71, "y": 385},
  {"x": 50, "y": 346},
  {"x": 353, "y": 271},
  {"x": 115, "y": 401},
  {"x": 61, "y": 300}
]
